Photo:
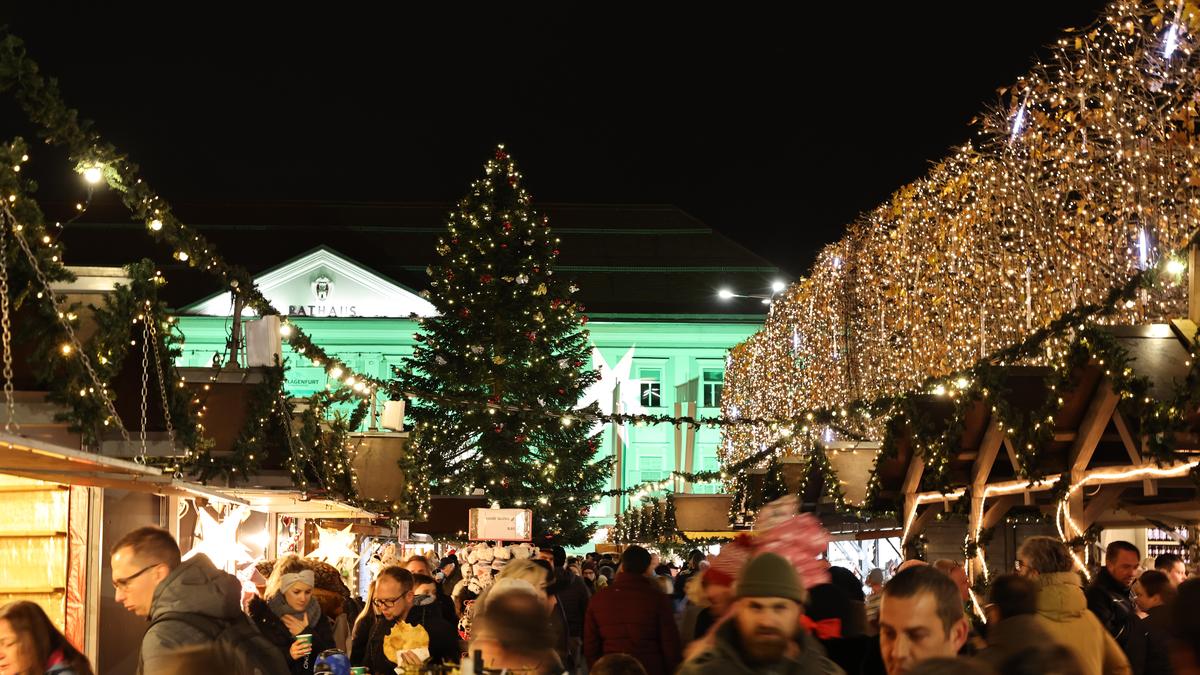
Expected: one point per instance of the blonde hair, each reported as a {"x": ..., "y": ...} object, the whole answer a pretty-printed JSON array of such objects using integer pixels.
[
  {"x": 528, "y": 571},
  {"x": 288, "y": 564}
]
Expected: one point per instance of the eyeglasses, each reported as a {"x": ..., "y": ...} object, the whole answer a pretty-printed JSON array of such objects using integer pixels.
[
  {"x": 1017, "y": 564},
  {"x": 387, "y": 603},
  {"x": 123, "y": 584}
]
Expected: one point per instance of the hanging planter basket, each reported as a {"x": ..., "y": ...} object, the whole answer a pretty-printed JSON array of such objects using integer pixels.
[
  {"x": 702, "y": 513},
  {"x": 376, "y": 464},
  {"x": 226, "y": 394}
]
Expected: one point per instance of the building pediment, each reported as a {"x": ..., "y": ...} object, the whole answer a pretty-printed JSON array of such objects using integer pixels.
[{"x": 325, "y": 284}]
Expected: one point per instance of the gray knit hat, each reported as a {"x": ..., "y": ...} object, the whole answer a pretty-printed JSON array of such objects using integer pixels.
[{"x": 770, "y": 575}]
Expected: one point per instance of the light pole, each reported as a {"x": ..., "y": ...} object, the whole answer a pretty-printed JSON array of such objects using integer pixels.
[{"x": 778, "y": 286}]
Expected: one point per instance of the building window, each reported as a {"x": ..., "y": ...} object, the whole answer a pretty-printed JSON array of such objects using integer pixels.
[
  {"x": 712, "y": 381},
  {"x": 707, "y": 462},
  {"x": 650, "y": 387},
  {"x": 650, "y": 468}
]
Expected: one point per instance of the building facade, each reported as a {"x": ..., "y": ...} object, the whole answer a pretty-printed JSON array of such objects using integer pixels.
[{"x": 649, "y": 278}]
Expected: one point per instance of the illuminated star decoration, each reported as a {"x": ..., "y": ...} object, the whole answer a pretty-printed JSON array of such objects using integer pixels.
[
  {"x": 610, "y": 378},
  {"x": 334, "y": 546},
  {"x": 218, "y": 540}
]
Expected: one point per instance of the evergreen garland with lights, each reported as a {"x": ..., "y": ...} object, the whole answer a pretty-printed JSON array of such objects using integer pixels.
[{"x": 509, "y": 333}]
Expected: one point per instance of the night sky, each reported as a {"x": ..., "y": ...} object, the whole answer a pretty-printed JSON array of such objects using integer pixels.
[{"x": 776, "y": 129}]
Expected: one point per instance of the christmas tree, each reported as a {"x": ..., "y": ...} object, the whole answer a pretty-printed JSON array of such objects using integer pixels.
[{"x": 498, "y": 367}]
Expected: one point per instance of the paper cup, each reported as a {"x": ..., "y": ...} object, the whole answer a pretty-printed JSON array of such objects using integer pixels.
[
  {"x": 358, "y": 670},
  {"x": 306, "y": 638}
]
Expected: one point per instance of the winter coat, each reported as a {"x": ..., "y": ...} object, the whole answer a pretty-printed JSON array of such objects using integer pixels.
[
  {"x": 1112, "y": 604},
  {"x": 725, "y": 658},
  {"x": 574, "y": 598},
  {"x": 366, "y": 643},
  {"x": 1158, "y": 640},
  {"x": 633, "y": 616},
  {"x": 274, "y": 629},
  {"x": 1064, "y": 608},
  {"x": 1014, "y": 635},
  {"x": 195, "y": 587}
]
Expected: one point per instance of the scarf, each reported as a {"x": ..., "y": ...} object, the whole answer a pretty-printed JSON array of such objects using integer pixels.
[{"x": 312, "y": 612}]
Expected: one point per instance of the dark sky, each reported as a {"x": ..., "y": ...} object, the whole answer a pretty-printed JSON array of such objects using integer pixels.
[{"x": 777, "y": 129}]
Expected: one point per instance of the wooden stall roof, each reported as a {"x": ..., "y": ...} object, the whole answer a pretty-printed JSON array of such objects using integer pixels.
[{"x": 41, "y": 460}]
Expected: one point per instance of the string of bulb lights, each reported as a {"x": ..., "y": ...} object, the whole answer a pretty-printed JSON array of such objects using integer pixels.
[{"x": 1083, "y": 176}]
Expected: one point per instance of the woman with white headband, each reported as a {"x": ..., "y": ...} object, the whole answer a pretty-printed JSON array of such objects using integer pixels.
[{"x": 288, "y": 609}]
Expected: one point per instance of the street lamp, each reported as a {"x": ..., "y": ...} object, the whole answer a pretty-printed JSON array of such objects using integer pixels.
[{"x": 778, "y": 286}]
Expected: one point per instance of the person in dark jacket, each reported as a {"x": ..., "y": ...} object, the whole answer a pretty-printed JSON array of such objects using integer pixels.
[
  {"x": 573, "y": 594},
  {"x": 419, "y": 564},
  {"x": 153, "y": 581},
  {"x": 1154, "y": 593},
  {"x": 1012, "y": 619},
  {"x": 690, "y": 568},
  {"x": 390, "y": 601},
  {"x": 633, "y": 616},
  {"x": 29, "y": 643},
  {"x": 288, "y": 609},
  {"x": 764, "y": 633},
  {"x": 1110, "y": 599}
]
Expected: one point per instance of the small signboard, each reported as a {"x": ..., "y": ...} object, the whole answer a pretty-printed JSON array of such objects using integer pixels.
[{"x": 501, "y": 525}]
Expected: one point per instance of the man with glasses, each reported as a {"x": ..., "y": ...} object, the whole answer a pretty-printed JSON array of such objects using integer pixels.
[
  {"x": 389, "y": 602},
  {"x": 152, "y": 582}
]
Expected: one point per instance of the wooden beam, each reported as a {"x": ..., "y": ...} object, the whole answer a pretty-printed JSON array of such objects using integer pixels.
[
  {"x": 999, "y": 508},
  {"x": 922, "y": 519},
  {"x": 1091, "y": 428},
  {"x": 1104, "y": 500},
  {"x": 1099, "y": 412},
  {"x": 912, "y": 483},
  {"x": 1149, "y": 487},
  {"x": 1162, "y": 509},
  {"x": 989, "y": 447}
]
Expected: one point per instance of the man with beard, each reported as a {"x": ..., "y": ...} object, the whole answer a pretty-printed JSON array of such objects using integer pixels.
[{"x": 764, "y": 634}]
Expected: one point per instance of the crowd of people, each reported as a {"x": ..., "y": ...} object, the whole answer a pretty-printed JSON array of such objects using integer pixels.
[{"x": 638, "y": 616}]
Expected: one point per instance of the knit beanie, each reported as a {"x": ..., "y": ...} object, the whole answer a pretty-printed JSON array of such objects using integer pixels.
[{"x": 770, "y": 575}]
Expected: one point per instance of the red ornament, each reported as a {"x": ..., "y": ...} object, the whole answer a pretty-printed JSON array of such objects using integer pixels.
[
  {"x": 583, "y": 320},
  {"x": 503, "y": 245},
  {"x": 555, "y": 251},
  {"x": 507, "y": 226},
  {"x": 464, "y": 312},
  {"x": 532, "y": 335},
  {"x": 485, "y": 278}
]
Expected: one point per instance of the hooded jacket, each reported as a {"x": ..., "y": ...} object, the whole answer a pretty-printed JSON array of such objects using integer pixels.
[
  {"x": 1064, "y": 609},
  {"x": 1112, "y": 603},
  {"x": 725, "y": 658},
  {"x": 195, "y": 587},
  {"x": 274, "y": 629}
]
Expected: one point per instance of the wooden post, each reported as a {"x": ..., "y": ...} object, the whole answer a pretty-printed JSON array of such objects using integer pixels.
[
  {"x": 689, "y": 448},
  {"x": 1099, "y": 412},
  {"x": 989, "y": 449},
  {"x": 1194, "y": 283}
]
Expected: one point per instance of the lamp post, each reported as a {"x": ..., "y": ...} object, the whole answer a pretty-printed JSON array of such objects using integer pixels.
[{"x": 778, "y": 286}]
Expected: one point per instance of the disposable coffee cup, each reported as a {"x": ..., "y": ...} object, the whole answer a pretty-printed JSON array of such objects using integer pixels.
[
  {"x": 305, "y": 638},
  {"x": 358, "y": 670}
]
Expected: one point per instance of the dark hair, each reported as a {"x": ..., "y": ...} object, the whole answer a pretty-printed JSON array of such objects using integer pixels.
[
  {"x": 850, "y": 584},
  {"x": 560, "y": 556},
  {"x": 1155, "y": 583},
  {"x": 1117, "y": 546},
  {"x": 635, "y": 560},
  {"x": 1042, "y": 660},
  {"x": 39, "y": 638},
  {"x": 151, "y": 545},
  {"x": 422, "y": 579},
  {"x": 205, "y": 659},
  {"x": 1013, "y": 595},
  {"x": 945, "y": 665},
  {"x": 1167, "y": 561},
  {"x": 663, "y": 570},
  {"x": 517, "y": 621},
  {"x": 617, "y": 664},
  {"x": 925, "y": 579}
]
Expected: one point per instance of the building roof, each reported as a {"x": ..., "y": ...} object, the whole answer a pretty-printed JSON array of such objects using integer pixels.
[{"x": 643, "y": 259}]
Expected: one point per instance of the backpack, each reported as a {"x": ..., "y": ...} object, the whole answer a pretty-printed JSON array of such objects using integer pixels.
[{"x": 239, "y": 638}]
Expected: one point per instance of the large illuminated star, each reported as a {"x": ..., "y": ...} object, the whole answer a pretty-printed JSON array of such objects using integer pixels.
[
  {"x": 610, "y": 378},
  {"x": 218, "y": 539},
  {"x": 334, "y": 546}
]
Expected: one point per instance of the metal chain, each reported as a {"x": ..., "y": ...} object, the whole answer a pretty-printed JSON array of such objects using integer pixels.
[
  {"x": 162, "y": 383},
  {"x": 6, "y": 331},
  {"x": 66, "y": 325},
  {"x": 141, "y": 456}
]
